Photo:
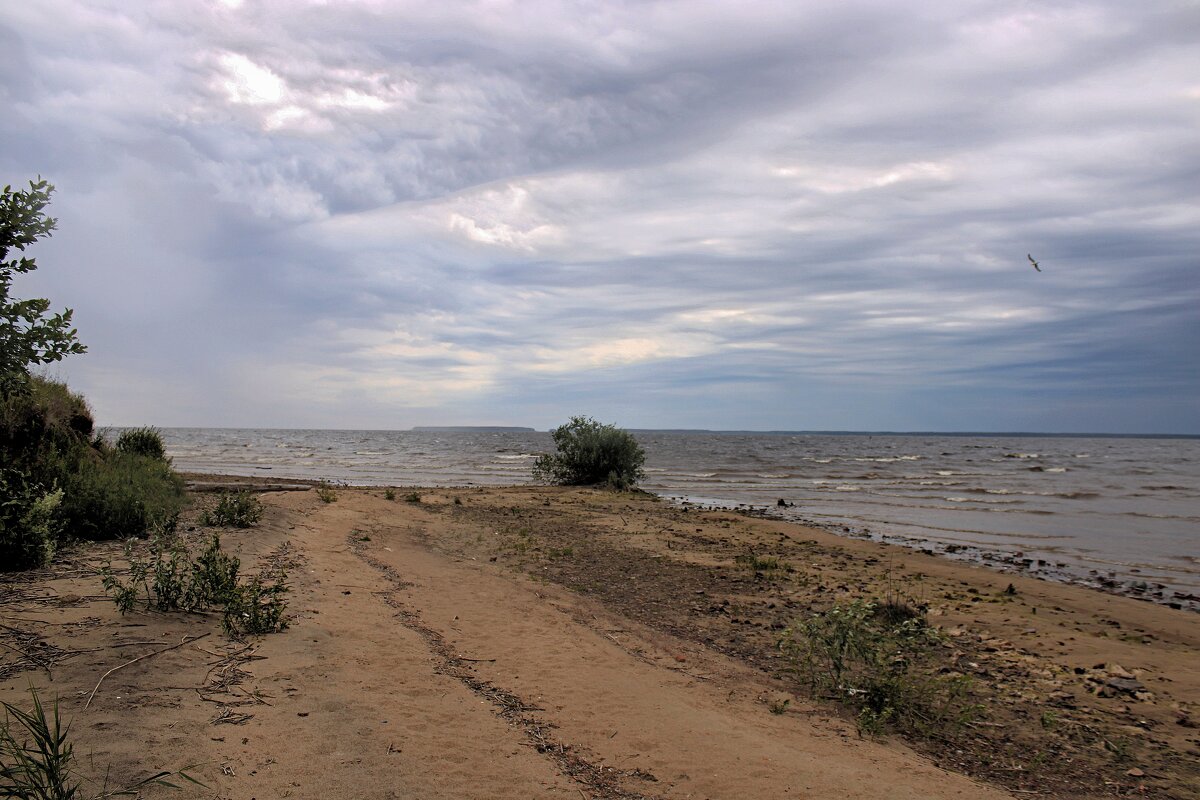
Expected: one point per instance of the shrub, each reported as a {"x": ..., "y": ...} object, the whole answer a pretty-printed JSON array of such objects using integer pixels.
[
  {"x": 120, "y": 495},
  {"x": 326, "y": 492},
  {"x": 589, "y": 453},
  {"x": 28, "y": 523},
  {"x": 142, "y": 442},
  {"x": 234, "y": 510},
  {"x": 176, "y": 582},
  {"x": 884, "y": 668},
  {"x": 44, "y": 433},
  {"x": 256, "y": 608}
]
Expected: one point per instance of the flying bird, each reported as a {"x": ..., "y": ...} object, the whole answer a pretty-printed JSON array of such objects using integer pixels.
[{"x": 1031, "y": 261}]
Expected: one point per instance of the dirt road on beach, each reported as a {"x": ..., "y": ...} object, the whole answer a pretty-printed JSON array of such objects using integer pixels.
[{"x": 417, "y": 666}]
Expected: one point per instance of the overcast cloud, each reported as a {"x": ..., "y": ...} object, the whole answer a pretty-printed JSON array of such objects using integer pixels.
[{"x": 665, "y": 214}]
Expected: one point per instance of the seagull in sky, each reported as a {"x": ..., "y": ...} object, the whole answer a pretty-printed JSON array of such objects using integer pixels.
[{"x": 1031, "y": 261}]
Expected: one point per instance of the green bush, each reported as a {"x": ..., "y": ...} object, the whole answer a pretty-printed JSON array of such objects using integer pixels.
[
  {"x": 119, "y": 495},
  {"x": 45, "y": 432},
  {"x": 142, "y": 442},
  {"x": 174, "y": 581},
  {"x": 28, "y": 337},
  {"x": 234, "y": 510},
  {"x": 589, "y": 453},
  {"x": 881, "y": 664},
  {"x": 28, "y": 523},
  {"x": 256, "y": 608}
]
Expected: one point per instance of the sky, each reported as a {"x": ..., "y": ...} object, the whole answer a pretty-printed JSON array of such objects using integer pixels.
[{"x": 732, "y": 215}]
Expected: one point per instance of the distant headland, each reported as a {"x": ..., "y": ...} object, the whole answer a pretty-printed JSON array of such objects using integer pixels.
[{"x": 473, "y": 428}]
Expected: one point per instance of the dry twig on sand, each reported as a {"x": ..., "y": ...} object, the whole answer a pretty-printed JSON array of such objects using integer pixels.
[{"x": 186, "y": 640}]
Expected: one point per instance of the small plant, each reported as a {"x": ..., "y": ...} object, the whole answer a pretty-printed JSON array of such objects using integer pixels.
[
  {"x": 39, "y": 766},
  {"x": 412, "y": 497},
  {"x": 458, "y": 501},
  {"x": 256, "y": 608},
  {"x": 235, "y": 510},
  {"x": 589, "y": 453},
  {"x": 389, "y": 494},
  {"x": 765, "y": 564},
  {"x": 214, "y": 576},
  {"x": 145, "y": 442},
  {"x": 125, "y": 593},
  {"x": 326, "y": 492},
  {"x": 779, "y": 706}
]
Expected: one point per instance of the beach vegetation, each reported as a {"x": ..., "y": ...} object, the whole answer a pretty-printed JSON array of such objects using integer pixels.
[
  {"x": 766, "y": 565},
  {"x": 590, "y": 453},
  {"x": 234, "y": 510},
  {"x": 883, "y": 669},
  {"x": 168, "y": 578},
  {"x": 118, "y": 495},
  {"x": 389, "y": 494},
  {"x": 145, "y": 442},
  {"x": 59, "y": 482},
  {"x": 412, "y": 497},
  {"x": 326, "y": 492}
]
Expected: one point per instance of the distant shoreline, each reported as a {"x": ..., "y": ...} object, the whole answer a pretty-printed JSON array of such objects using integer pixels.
[{"x": 693, "y": 431}]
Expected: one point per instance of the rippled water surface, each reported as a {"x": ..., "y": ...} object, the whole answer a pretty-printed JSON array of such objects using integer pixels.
[{"x": 1117, "y": 512}]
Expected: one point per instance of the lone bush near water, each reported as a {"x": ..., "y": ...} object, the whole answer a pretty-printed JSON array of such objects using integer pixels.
[{"x": 590, "y": 453}]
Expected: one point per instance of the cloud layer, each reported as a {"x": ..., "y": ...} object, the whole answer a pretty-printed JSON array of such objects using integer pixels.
[{"x": 380, "y": 214}]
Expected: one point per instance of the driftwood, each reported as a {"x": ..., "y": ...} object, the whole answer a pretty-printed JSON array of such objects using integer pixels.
[{"x": 140, "y": 658}]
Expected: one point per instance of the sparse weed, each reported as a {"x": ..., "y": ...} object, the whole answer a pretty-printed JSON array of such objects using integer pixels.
[
  {"x": 763, "y": 564},
  {"x": 173, "y": 581},
  {"x": 36, "y": 759},
  {"x": 389, "y": 494},
  {"x": 412, "y": 497},
  {"x": 234, "y": 510},
  {"x": 256, "y": 608},
  {"x": 327, "y": 493},
  {"x": 878, "y": 660}
]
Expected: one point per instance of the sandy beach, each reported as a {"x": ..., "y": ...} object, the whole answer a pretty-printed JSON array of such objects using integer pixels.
[{"x": 563, "y": 643}]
